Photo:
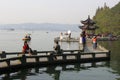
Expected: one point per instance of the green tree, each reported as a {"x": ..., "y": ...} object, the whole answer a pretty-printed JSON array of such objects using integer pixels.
[{"x": 108, "y": 19}]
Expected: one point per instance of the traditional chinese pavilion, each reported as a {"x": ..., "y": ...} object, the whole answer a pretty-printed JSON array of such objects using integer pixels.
[{"x": 88, "y": 26}]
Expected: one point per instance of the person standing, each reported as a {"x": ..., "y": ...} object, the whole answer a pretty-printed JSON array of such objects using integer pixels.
[
  {"x": 83, "y": 38},
  {"x": 69, "y": 34},
  {"x": 82, "y": 42},
  {"x": 80, "y": 39},
  {"x": 61, "y": 36},
  {"x": 94, "y": 41}
]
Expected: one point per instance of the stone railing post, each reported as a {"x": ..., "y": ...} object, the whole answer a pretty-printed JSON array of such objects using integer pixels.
[
  {"x": 3, "y": 54},
  {"x": 108, "y": 54},
  {"x": 51, "y": 57},
  {"x": 64, "y": 57},
  {"x": 8, "y": 62},
  {"x": 34, "y": 52},
  {"x": 78, "y": 56},
  {"x": 93, "y": 56},
  {"x": 37, "y": 59},
  {"x": 23, "y": 59}
]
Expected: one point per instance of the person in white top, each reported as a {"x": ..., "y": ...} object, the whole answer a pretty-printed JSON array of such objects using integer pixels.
[
  {"x": 80, "y": 39},
  {"x": 61, "y": 36},
  {"x": 69, "y": 34}
]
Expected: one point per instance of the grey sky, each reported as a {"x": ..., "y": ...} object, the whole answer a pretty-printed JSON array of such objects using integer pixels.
[{"x": 49, "y": 11}]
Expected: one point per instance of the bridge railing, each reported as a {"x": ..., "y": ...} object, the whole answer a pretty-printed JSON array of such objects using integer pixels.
[
  {"x": 4, "y": 54},
  {"x": 78, "y": 56}
]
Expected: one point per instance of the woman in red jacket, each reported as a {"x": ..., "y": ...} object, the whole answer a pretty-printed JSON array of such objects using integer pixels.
[{"x": 26, "y": 48}]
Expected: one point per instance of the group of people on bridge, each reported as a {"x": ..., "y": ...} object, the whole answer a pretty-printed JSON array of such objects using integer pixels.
[
  {"x": 57, "y": 49},
  {"x": 26, "y": 48},
  {"x": 82, "y": 40}
]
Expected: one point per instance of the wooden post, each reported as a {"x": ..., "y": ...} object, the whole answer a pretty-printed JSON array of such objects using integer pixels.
[{"x": 3, "y": 54}]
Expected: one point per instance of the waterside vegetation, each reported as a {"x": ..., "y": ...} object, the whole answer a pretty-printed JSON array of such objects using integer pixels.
[{"x": 108, "y": 19}]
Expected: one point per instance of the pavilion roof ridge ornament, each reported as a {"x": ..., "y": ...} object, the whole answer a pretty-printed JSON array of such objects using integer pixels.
[{"x": 88, "y": 21}]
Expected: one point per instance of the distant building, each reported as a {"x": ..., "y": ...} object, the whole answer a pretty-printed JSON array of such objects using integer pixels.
[{"x": 88, "y": 26}]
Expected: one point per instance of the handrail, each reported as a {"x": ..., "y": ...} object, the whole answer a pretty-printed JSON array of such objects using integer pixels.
[
  {"x": 39, "y": 56},
  {"x": 35, "y": 52}
]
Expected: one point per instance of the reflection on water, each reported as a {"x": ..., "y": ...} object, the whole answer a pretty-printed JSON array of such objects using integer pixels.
[
  {"x": 56, "y": 72},
  {"x": 114, "y": 46}
]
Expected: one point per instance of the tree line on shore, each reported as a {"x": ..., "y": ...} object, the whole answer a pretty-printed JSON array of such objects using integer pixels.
[{"x": 108, "y": 19}]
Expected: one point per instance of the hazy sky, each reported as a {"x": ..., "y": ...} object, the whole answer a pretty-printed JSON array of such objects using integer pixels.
[{"x": 49, "y": 11}]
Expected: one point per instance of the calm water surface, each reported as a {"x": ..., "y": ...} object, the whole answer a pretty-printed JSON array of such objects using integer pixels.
[
  {"x": 44, "y": 40},
  {"x": 41, "y": 40}
]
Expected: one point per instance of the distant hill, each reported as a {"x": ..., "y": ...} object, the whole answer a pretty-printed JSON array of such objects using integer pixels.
[
  {"x": 108, "y": 19},
  {"x": 42, "y": 26}
]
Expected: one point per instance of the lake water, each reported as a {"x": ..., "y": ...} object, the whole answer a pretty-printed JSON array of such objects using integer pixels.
[
  {"x": 41, "y": 40},
  {"x": 11, "y": 41}
]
